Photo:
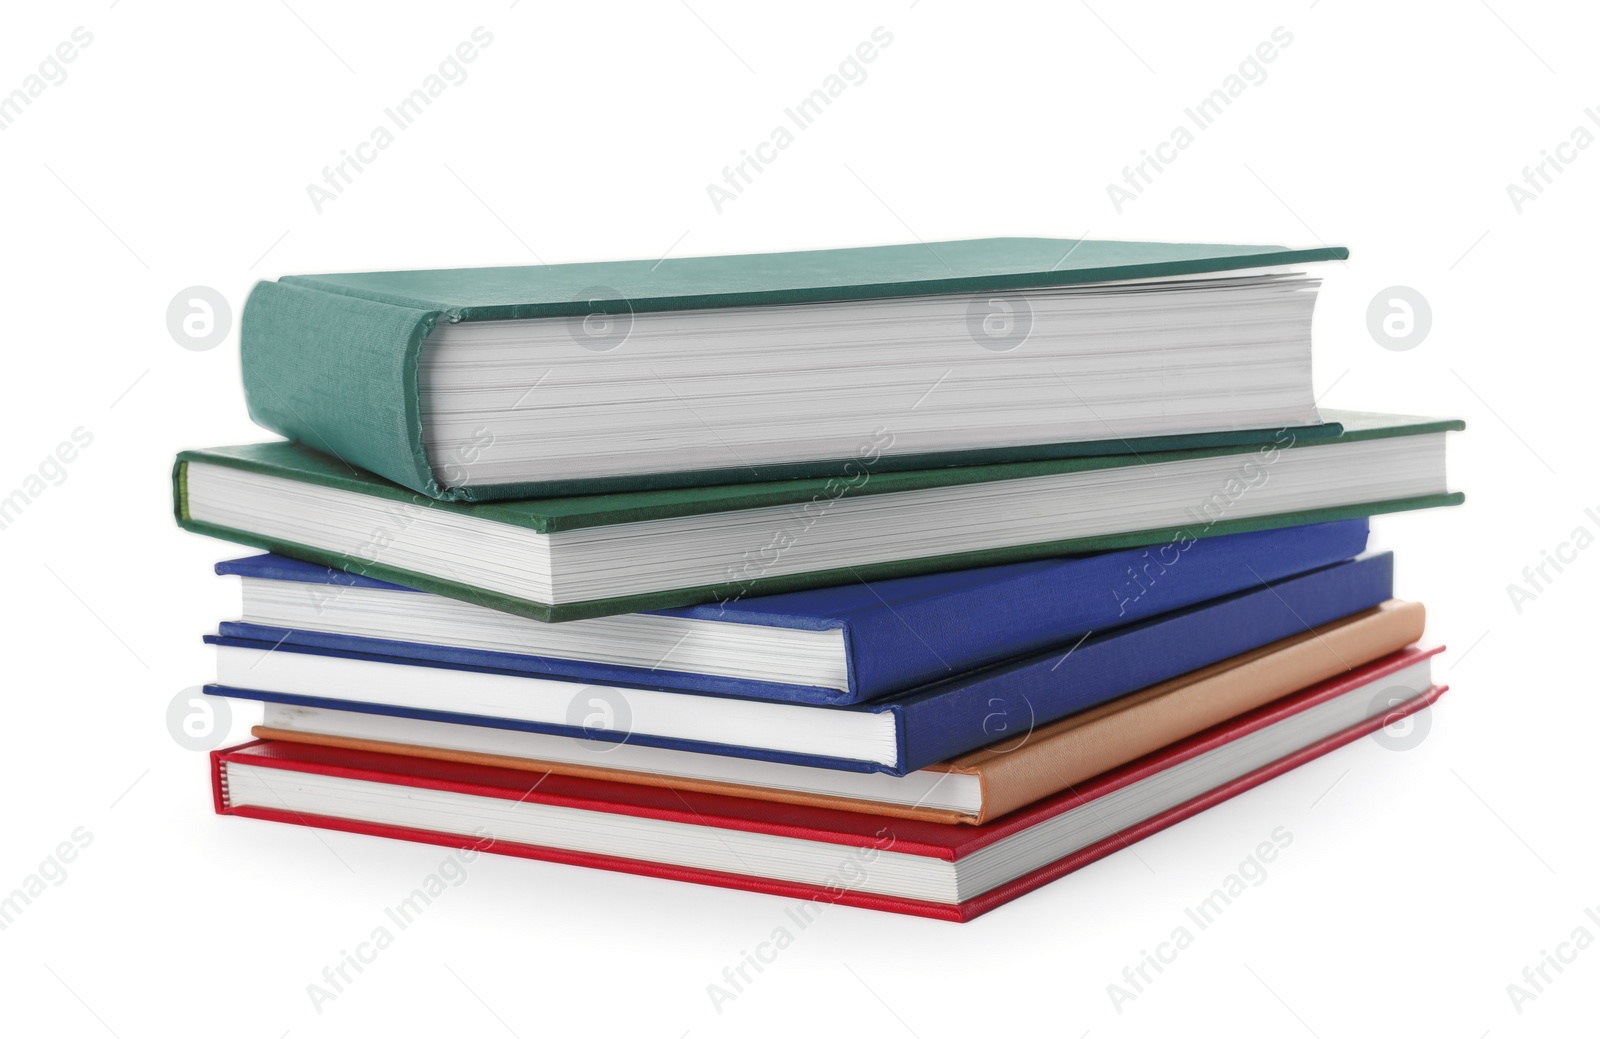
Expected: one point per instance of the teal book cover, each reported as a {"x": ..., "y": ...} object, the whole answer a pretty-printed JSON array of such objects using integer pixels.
[{"x": 333, "y": 360}]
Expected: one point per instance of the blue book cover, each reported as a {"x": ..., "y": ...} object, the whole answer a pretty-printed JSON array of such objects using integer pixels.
[
  {"x": 904, "y": 632},
  {"x": 1005, "y": 702}
]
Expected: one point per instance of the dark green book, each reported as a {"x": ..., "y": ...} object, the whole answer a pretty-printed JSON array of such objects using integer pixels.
[
  {"x": 514, "y": 382},
  {"x": 566, "y": 558}
]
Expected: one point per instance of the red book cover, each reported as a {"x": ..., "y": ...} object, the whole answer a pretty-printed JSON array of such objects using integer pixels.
[{"x": 949, "y": 842}]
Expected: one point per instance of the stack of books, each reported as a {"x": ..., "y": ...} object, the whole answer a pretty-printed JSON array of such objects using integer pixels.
[{"x": 909, "y": 578}]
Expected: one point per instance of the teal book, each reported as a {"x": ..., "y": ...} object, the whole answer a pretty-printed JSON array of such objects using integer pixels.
[
  {"x": 517, "y": 382},
  {"x": 557, "y": 559}
]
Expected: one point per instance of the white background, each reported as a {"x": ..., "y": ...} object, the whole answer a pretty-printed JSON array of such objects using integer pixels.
[{"x": 177, "y": 153}]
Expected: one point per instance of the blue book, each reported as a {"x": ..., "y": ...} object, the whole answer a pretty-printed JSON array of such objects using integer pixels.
[
  {"x": 896, "y": 735},
  {"x": 845, "y": 645}
]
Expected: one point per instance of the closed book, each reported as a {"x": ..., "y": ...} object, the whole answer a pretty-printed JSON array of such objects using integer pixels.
[
  {"x": 898, "y": 734},
  {"x": 841, "y": 645},
  {"x": 510, "y": 382},
  {"x": 974, "y": 788},
  {"x": 815, "y": 856},
  {"x": 570, "y": 558}
]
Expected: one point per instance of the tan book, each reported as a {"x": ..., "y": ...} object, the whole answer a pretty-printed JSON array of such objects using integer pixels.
[{"x": 973, "y": 788}]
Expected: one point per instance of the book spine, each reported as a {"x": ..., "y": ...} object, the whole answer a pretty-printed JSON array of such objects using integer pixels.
[
  {"x": 1008, "y": 703},
  {"x": 1036, "y": 608},
  {"x": 219, "y": 782},
  {"x": 1050, "y": 764},
  {"x": 339, "y": 374}
]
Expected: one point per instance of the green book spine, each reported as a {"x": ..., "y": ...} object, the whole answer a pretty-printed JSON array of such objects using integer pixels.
[{"x": 339, "y": 373}]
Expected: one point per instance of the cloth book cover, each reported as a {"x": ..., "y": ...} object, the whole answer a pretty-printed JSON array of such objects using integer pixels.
[
  {"x": 554, "y": 516},
  {"x": 906, "y": 631},
  {"x": 871, "y": 836},
  {"x": 939, "y": 721},
  {"x": 1028, "y": 766},
  {"x": 332, "y": 360}
]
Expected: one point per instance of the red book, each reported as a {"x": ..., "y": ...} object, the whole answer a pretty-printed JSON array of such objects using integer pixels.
[{"x": 945, "y": 871}]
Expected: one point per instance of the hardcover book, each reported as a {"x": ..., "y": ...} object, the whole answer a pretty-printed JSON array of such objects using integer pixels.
[
  {"x": 511, "y": 382},
  {"x": 1019, "y": 769},
  {"x": 898, "y": 734},
  {"x": 841, "y": 645},
  {"x": 569, "y": 558},
  {"x": 816, "y": 855}
]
